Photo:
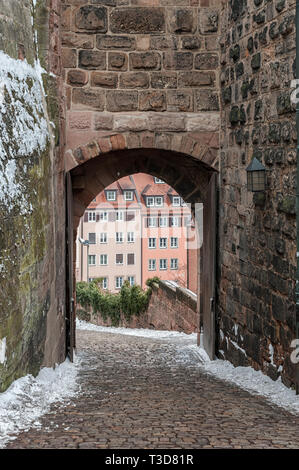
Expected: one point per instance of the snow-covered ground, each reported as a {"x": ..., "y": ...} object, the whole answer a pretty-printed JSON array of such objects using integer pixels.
[
  {"x": 28, "y": 398},
  {"x": 247, "y": 378}
]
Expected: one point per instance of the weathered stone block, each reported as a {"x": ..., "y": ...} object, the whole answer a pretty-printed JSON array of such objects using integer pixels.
[
  {"x": 182, "y": 20},
  {"x": 134, "y": 80},
  {"x": 178, "y": 60},
  {"x": 145, "y": 60},
  {"x": 179, "y": 101},
  {"x": 206, "y": 61},
  {"x": 208, "y": 20},
  {"x": 116, "y": 42},
  {"x": 164, "y": 80},
  {"x": 92, "y": 60},
  {"x": 117, "y": 61},
  {"x": 195, "y": 79},
  {"x": 69, "y": 58},
  {"x": 92, "y": 18},
  {"x": 104, "y": 79},
  {"x": 88, "y": 98},
  {"x": 122, "y": 101},
  {"x": 206, "y": 100},
  {"x": 137, "y": 20},
  {"x": 152, "y": 101},
  {"x": 77, "y": 77}
]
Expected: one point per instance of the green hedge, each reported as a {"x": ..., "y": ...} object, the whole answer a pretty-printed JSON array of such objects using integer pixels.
[{"x": 130, "y": 301}]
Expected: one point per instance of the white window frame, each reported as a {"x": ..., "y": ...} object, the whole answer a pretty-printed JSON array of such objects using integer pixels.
[
  {"x": 128, "y": 195},
  {"x": 152, "y": 264},
  {"x": 119, "y": 239},
  {"x": 174, "y": 218},
  {"x": 159, "y": 198},
  {"x": 89, "y": 257},
  {"x": 103, "y": 264},
  {"x": 103, "y": 237},
  {"x": 158, "y": 180},
  {"x": 91, "y": 216},
  {"x": 130, "y": 279},
  {"x": 152, "y": 219},
  {"x": 176, "y": 244},
  {"x": 177, "y": 198},
  {"x": 105, "y": 283},
  {"x": 150, "y": 198},
  {"x": 117, "y": 284},
  {"x": 164, "y": 264},
  {"x": 119, "y": 217},
  {"x": 103, "y": 216},
  {"x": 109, "y": 192},
  {"x": 130, "y": 238},
  {"x": 150, "y": 245},
  {"x": 163, "y": 247},
  {"x": 164, "y": 224},
  {"x": 176, "y": 264}
]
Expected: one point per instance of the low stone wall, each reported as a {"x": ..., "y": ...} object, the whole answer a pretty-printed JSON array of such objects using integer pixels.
[{"x": 170, "y": 308}]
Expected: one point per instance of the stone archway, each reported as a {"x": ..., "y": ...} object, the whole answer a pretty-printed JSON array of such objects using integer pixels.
[{"x": 99, "y": 163}]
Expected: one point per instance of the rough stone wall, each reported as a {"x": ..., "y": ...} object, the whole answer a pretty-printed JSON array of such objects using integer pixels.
[
  {"x": 170, "y": 308},
  {"x": 257, "y": 233},
  {"x": 31, "y": 304},
  {"x": 138, "y": 65}
]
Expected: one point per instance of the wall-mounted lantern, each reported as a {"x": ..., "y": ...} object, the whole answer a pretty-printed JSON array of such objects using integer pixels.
[{"x": 256, "y": 176}]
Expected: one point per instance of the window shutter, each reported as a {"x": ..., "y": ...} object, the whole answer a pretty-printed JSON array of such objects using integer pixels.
[
  {"x": 97, "y": 217},
  {"x": 92, "y": 238},
  {"x": 131, "y": 257},
  {"x": 86, "y": 216},
  {"x": 130, "y": 216},
  {"x": 119, "y": 258},
  {"x": 170, "y": 221}
]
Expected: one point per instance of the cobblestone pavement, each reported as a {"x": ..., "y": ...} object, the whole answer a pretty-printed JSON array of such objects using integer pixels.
[{"x": 149, "y": 393}]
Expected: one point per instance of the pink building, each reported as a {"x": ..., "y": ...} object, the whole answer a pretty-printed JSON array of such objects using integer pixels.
[{"x": 137, "y": 228}]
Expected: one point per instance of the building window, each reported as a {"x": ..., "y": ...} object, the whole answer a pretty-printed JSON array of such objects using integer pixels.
[
  {"x": 131, "y": 258},
  {"x": 91, "y": 279},
  {"x": 163, "y": 242},
  {"x": 103, "y": 216},
  {"x": 131, "y": 237},
  {"x": 159, "y": 201},
  {"x": 174, "y": 263},
  {"x": 163, "y": 264},
  {"x": 91, "y": 216},
  {"x": 152, "y": 222},
  {"x": 91, "y": 260},
  {"x": 152, "y": 242},
  {"x": 104, "y": 283},
  {"x": 158, "y": 180},
  {"x": 174, "y": 242},
  {"x": 103, "y": 237},
  {"x": 119, "y": 216},
  {"x": 119, "y": 237},
  {"x": 152, "y": 265},
  {"x": 119, "y": 258},
  {"x": 131, "y": 280},
  {"x": 150, "y": 201},
  {"x": 92, "y": 238},
  {"x": 174, "y": 221},
  {"x": 119, "y": 280},
  {"x": 103, "y": 260},
  {"x": 176, "y": 201},
  {"x": 128, "y": 195},
  {"x": 163, "y": 221},
  {"x": 111, "y": 195},
  {"x": 130, "y": 215}
]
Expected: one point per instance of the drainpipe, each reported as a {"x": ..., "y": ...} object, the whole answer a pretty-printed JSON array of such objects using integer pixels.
[{"x": 297, "y": 192}]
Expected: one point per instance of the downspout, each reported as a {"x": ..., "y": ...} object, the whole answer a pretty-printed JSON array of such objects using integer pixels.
[{"x": 297, "y": 191}]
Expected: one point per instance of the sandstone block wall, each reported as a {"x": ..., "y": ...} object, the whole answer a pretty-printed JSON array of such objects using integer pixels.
[{"x": 257, "y": 233}]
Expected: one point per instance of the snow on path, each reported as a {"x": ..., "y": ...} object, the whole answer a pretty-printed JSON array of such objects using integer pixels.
[
  {"x": 255, "y": 382},
  {"x": 28, "y": 398}
]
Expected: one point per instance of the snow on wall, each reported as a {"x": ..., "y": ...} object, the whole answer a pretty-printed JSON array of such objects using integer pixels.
[
  {"x": 23, "y": 127},
  {"x": 2, "y": 351}
]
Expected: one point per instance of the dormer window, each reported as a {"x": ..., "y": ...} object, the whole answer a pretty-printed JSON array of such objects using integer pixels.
[
  {"x": 111, "y": 195},
  {"x": 159, "y": 201},
  {"x": 128, "y": 195},
  {"x": 150, "y": 201},
  {"x": 158, "y": 181},
  {"x": 176, "y": 201}
]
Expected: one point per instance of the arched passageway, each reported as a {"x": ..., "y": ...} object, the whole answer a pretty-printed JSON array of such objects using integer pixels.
[{"x": 192, "y": 178}]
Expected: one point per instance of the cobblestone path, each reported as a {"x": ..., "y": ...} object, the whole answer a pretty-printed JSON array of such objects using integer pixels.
[{"x": 149, "y": 393}]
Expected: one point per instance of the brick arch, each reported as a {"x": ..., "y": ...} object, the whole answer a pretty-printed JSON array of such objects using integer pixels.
[{"x": 99, "y": 163}]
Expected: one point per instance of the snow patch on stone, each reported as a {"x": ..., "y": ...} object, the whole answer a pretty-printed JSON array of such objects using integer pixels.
[
  {"x": 2, "y": 351},
  {"x": 28, "y": 398},
  {"x": 23, "y": 127}
]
